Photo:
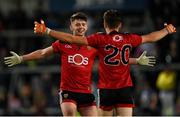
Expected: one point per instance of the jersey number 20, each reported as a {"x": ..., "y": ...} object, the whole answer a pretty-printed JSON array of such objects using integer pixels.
[{"x": 115, "y": 52}]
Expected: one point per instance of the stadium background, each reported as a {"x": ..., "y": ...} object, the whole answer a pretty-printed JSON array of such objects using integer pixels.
[{"x": 31, "y": 88}]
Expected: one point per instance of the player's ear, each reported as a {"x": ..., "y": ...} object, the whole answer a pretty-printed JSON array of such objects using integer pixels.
[
  {"x": 120, "y": 25},
  {"x": 105, "y": 24},
  {"x": 70, "y": 27}
]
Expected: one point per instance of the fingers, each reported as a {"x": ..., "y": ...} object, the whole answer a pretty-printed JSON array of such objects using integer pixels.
[
  {"x": 42, "y": 21},
  {"x": 35, "y": 31},
  {"x": 170, "y": 28},
  {"x": 151, "y": 63},
  {"x": 10, "y": 65},
  {"x": 13, "y": 53},
  {"x": 152, "y": 60},
  {"x": 36, "y": 27},
  {"x": 151, "y": 57},
  {"x": 144, "y": 53},
  {"x": 165, "y": 24},
  {"x": 39, "y": 28},
  {"x": 6, "y": 58},
  {"x": 36, "y": 23},
  {"x": 8, "y": 62}
]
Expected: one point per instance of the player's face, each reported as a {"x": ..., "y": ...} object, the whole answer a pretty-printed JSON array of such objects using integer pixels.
[{"x": 79, "y": 27}]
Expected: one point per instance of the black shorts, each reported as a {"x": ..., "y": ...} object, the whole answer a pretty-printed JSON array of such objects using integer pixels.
[
  {"x": 80, "y": 99},
  {"x": 110, "y": 98}
]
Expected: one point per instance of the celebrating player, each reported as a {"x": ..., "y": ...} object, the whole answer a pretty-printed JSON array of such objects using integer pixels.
[
  {"x": 114, "y": 49},
  {"x": 77, "y": 61},
  {"x": 76, "y": 67}
]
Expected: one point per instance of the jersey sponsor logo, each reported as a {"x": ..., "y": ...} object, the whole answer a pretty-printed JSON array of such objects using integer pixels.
[
  {"x": 78, "y": 59},
  {"x": 68, "y": 46},
  {"x": 117, "y": 38}
]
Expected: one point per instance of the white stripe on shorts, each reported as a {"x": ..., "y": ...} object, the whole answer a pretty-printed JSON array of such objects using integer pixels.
[{"x": 98, "y": 98}]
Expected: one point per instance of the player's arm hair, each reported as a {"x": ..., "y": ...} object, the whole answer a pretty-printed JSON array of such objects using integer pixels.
[
  {"x": 132, "y": 61},
  {"x": 68, "y": 38},
  {"x": 38, "y": 54},
  {"x": 154, "y": 36}
]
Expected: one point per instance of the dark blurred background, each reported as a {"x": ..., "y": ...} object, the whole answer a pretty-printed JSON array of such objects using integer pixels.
[{"x": 32, "y": 88}]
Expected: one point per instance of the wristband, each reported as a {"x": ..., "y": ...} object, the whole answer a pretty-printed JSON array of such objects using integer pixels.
[
  {"x": 21, "y": 58},
  {"x": 48, "y": 31}
]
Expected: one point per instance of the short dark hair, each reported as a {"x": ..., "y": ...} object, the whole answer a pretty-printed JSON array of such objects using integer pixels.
[
  {"x": 78, "y": 15},
  {"x": 112, "y": 18}
]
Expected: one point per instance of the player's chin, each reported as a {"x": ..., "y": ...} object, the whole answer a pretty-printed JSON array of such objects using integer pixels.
[{"x": 80, "y": 34}]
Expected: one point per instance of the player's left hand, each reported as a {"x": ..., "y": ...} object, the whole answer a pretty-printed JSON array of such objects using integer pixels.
[
  {"x": 170, "y": 28},
  {"x": 40, "y": 28},
  {"x": 146, "y": 60}
]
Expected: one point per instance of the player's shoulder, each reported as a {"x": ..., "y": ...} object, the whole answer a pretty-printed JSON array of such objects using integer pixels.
[
  {"x": 97, "y": 35},
  {"x": 62, "y": 43},
  {"x": 129, "y": 34},
  {"x": 101, "y": 33},
  {"x": 126, "y": 33}
]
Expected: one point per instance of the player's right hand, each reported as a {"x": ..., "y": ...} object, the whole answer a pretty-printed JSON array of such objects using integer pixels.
[
  {"x": 170, "y": 28},
  {"x": 12, "y": 60},
  {"x": 39, "y": 28},
  {"x": 146, "y": 60}
]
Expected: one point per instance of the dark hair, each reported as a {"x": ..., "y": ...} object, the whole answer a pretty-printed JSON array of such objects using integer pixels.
[
  {"x": 78, "y": 15},
  {"x": 112, "y": 18}
]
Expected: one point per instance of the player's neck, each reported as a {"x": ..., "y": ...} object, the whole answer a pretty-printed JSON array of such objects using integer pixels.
[
  {"x": 78, "y": 35},
  {"x": 78, "y": 44},
  {"x": 108, "y": 30}
]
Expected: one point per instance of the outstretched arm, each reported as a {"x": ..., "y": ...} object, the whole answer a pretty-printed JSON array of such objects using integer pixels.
[
  {"x": 143, "y": 60},
  {"x": 40, "y": 28},
  {"x": 38, "y": 54},
  {"x": 157, "y": 35}
]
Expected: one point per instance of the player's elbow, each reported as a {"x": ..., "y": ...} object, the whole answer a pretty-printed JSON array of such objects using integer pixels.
[
  {"x": 42, "y": 54},
  {"x": 68, "y": 39}
]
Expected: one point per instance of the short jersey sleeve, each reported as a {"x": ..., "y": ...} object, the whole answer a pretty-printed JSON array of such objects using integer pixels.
[
  {"x": 57, "y": 47},
  {"x": 93, "y": 40},
  {"x": 135, "y": 40}
]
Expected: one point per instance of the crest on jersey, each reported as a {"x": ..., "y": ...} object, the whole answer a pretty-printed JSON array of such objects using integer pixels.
[
  {"x": 117, "y": 38},
  {"x": 68, "y": 46},
  {"x": 65, "y": 95}
]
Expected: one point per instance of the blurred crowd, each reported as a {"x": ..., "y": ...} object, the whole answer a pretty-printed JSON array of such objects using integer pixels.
[{"x": 157, "y": 91}]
